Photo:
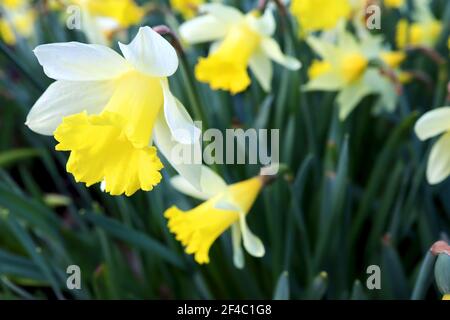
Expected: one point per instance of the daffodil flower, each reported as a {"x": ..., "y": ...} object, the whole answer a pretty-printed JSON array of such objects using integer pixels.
[
  {"x": 106, "y": 110},
  {"x": 423, "y": 31},
  {"x": 344, "y": 67},
  {"x": 319, "y": 15},
  {"x": 17, "y": 17},
  {"x": 187, "y": 8},
  {"x": 100, "y": 18},
  {"x": 225, "y": 206},
  {"x": 434, "y": 123},
  {"x": 239, "y": 41}
]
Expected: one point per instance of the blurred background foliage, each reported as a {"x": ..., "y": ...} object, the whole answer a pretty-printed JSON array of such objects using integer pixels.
[{"x": 352, "y": 193}]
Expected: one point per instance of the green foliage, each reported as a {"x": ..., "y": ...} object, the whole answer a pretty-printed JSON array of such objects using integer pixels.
[{"x": 353, "y": 194}]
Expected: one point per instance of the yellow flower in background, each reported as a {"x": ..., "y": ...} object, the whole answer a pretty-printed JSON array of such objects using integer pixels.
[
  {"x": 107, "y": 109},
  {"x": 446, "y": 297},
  {"x": 125, "y": 12},
  {"x": 436, "y": 123},
  {"x": 187, "y": 8},
  {"x": 18, "y": 18},
  {"x": 394, "y": 3},
  {"x": 344, "y": 66},
  {"x": 317, "y": 15},
  {"x": 393, "y": 58},
  {"x": 424, "y": 30},
  {"x": 224, "y": 207},
  {"x": 239, "y": 42},
  {"x": 101, "y": 18}
]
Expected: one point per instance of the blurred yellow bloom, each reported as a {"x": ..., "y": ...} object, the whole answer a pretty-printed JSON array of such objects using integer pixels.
[
  {"x": 316, "y": 15},
  {"x": 197, "y": 229},
  {"x": 240, "y": 41},
  {"x": 101, "y": 18},
  {"x": 124, "y": 12},
  {"x": 436, "y": 123},
  {"x": 394, "y": 3},
  {"x": 187, "y": 8},
  {"x": 393, "y": 58},
  {"x": 446, "y": 297},
  {"x": 107, "y": 110},
  {"x": 19, "y": 18},
  {"x": 424, "y": 30},
  {"x": 353, "y": 66},
  {"x": 344, "y": 67}
]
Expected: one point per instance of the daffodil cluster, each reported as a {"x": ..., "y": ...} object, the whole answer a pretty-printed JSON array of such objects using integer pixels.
[{"x": 17, "y": 18}]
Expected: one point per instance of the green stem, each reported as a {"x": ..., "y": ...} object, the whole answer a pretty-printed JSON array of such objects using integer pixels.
[{"x": 423, "y": 280}]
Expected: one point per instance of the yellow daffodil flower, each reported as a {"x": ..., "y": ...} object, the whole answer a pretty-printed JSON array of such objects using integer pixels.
[
  {"x": 317, "y": 15},
  {"x": 18, "y": 18},
  {"x": 344, "y": 67},
  {"x": 225, "y": 206},
  {"x": 434, "y": 123},
  {"x": 106, "y": 110},
  {"x": 187, "y": 8},
  {"x": 423, "y": 31},
  {"x": 100, "y": 18},
  {"x": 240, "y": 41}
]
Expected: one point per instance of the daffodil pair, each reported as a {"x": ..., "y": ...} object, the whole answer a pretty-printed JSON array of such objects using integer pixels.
[
  {"x": 225, "y": 206},
  {"x": 240, "y": 41},
  {"x": 17, "y": 18},
  {"x": 436, "y": 123},
  {"x": 106, "y": 110},
  {"x": 101, "y": 18},
  {"x": 345, "y": 66}
]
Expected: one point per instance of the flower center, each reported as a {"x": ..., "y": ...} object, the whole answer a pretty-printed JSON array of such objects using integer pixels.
[{"x": 353, "y": 66}]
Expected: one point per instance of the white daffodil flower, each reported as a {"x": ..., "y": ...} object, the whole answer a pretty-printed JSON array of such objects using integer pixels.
[
  {"x": 106, "y": 109},
  {"x": 238, "y": 41},
  {"x": 225, "y": 206},
  {"x": 434, "y": 123},
  {"x": 344, "y": 67}
]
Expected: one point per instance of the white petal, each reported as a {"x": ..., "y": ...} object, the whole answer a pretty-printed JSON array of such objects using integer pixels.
[
  {"x": 203, "y": 29},
  {"x": 93, "y": 30},
  {"x": 63, "y": 98},
  {"x": 236, "y": 240},
  {"x": 76, "y": 61},
  {"x": 178, "y": 119},
  {"x": 261, "y": 66},
  {"x": 190, "y": 170},
  {"x": 252, "y": 244},
  {"x": 439, "y": 162},
  {"x": 227, "y": 14},
  {"x": 329, "y": 81},
  {"x": 320, "y": 46},
  {"x": 150, "y": 53},
  {"x": 265, "y": 24},
  {"x": 272, "y": 49},
  {"x": 433, "y": 122},
  {"x": 211, "y": 184},
  {"x": 349, "y": 98}
]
